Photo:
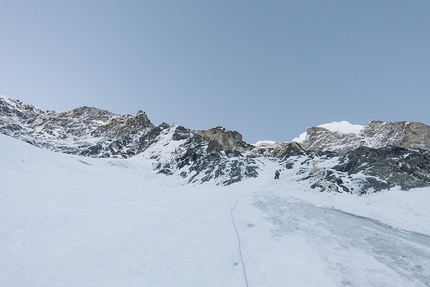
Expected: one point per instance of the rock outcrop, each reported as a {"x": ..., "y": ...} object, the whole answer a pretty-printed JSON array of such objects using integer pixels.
[
  {"x": 276, "y": 149},
  {"x": 229, "y": 140},
  {"x": 322, "y": 139},
  {"x": 378, "y": 134}
]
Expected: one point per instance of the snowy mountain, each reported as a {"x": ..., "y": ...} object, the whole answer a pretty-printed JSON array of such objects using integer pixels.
[
  {"x": 70, "y": 220},
  {"x": 333, "y": 157},
  {"x": 122, "y": 202}
]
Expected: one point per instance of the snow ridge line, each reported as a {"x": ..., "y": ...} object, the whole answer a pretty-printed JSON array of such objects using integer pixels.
[{"x": 238, "y": 239}]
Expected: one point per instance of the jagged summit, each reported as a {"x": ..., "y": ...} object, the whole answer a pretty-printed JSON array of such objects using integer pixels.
[{"x": 333, "y": 157}]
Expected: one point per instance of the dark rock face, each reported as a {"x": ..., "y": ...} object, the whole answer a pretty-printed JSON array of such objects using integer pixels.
[
  {"x": 394, "y": 166},
  {"x": 366, "y": 170}
]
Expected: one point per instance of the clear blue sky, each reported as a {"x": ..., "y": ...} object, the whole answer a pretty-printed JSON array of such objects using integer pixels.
[{"x": 268, "y": 69}]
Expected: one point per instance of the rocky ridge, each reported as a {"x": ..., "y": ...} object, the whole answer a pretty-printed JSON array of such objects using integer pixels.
[
  {"x": 376, "y": 134},
  {"x": 378, "y": 157},
  {"x": 197, "y": 156}
]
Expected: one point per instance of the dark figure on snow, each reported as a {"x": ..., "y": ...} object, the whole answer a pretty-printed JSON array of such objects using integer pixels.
[{"x": 277, "y": 173}]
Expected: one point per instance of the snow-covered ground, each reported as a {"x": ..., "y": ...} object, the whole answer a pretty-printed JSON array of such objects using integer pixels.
[{"x": 74, "y": 221}]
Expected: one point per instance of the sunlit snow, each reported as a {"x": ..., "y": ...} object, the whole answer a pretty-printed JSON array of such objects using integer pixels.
[{"x": 74, "y": 221}]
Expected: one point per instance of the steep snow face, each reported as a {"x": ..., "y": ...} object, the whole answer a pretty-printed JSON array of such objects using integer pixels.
[{"x": 68, "y": 220}]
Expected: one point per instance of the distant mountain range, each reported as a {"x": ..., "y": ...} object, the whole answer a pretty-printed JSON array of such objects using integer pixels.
[{"x": 336, "y": 157}]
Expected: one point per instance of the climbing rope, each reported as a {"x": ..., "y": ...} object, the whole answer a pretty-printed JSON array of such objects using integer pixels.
[{"x": 238, "y": 239}]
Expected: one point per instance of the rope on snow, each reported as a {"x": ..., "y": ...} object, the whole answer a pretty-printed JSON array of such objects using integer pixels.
[{"x": 238, "y": 239}]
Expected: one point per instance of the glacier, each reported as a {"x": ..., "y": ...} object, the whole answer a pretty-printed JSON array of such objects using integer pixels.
[{"x": 70, "y": 220}]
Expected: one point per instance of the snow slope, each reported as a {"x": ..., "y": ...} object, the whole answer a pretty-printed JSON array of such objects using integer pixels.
[{"x": 72, "y": 221}]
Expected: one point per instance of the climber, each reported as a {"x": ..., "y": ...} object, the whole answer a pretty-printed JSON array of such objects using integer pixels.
[{"x": 277, "y": 173}]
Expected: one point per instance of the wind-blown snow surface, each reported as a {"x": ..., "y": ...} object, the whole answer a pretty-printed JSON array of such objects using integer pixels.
[{"x": 73, "y": 221}]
